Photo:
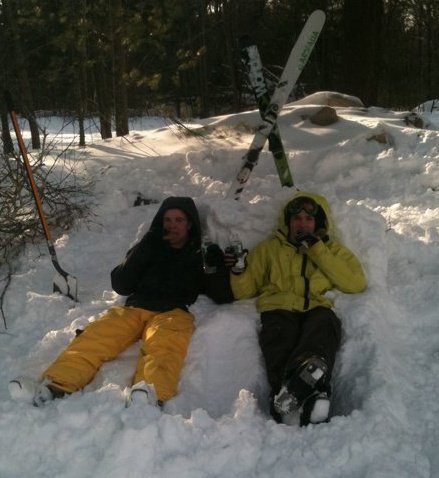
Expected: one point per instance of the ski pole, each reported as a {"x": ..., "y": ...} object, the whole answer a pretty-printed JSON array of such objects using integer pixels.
[{"x": 63, "y": 282}]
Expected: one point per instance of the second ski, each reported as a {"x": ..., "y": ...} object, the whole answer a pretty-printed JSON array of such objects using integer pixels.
[{"x": 296, "y": 62}]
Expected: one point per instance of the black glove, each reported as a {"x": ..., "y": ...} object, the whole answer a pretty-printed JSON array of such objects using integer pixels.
[
  {"x": 214, "y": 256},
  {"x": 306, "y": 239},
  {"x": 230, "y": 258}
]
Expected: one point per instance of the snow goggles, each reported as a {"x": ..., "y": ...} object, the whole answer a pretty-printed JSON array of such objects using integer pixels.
[{"x": 302, "y": 204}]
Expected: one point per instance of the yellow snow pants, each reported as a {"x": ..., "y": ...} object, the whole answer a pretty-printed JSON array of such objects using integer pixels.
[{"x": 165, "y": 341}]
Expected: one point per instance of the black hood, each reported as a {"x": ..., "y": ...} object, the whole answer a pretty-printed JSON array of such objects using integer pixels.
[{"x": 185, "y": 204}]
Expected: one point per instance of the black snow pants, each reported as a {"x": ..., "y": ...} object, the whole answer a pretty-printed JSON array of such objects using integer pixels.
[{"x": 286, "y": 337}]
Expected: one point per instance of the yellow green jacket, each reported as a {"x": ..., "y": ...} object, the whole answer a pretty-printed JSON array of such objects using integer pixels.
[{"x": 283, "y": 277}]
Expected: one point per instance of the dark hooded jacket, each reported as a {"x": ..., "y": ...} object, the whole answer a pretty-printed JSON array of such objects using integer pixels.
[{"x": 158, "y": 277}]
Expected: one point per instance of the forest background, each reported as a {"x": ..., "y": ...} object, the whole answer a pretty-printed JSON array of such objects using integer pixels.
[{"x": 119, "y": 58}]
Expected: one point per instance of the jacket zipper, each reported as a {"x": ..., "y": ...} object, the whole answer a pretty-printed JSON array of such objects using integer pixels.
[{"x": 306, "y": 282}]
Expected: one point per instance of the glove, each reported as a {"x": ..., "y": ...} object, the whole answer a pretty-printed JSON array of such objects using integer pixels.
[
  {"x": 306, "y": 239},
  {"x": 237, "y": 264},
  {"x": 230, "y": 258},
  {"x": 213, "y": 257}
]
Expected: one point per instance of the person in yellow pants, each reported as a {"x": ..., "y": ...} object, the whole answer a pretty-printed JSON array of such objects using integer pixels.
[
  {"x": 162, "y": 275},
  {"x": 165, "y": 340}
]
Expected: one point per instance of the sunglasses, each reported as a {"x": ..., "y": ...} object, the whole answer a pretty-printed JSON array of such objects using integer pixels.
[{"x": 302, "y": 204}]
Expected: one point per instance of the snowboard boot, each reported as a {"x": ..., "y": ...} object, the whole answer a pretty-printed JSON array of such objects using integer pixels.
[
  {"x": 315, "y": 409},
  {"x": 307, "y": 377},
  {"x": 28, "y": 390}
]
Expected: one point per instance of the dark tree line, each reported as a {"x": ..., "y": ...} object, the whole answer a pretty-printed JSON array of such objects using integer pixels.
[{"x": 116, "y": 57}]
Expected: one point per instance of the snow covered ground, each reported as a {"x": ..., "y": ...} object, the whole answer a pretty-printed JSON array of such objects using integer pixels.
[{"x": 385, "y": 412}]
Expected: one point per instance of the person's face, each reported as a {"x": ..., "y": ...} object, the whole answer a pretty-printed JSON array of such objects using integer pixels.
[
  {"x": 176, "y": 227},
  {"x": 302, "y": 222}
]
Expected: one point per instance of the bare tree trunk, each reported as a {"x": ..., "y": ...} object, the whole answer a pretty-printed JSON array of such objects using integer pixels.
[
  {"x": 8, "y": 146},
  {"x": 81, "y": 97},
  {"x": 119, "y": 69},
  {"x": 23, "y": 79},
  {"x": 82, "y": 76},
  {"x": 362, "y": 20},
  {"x": 429, "y": 40},
  {"x": 103, "y": 99},
  {"x": 203, "y": 75},
  {"x": 230, "y": 39}
]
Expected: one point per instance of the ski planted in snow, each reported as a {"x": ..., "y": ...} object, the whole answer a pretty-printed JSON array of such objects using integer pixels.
[
  {"x": 253, "y": 66},
  {"x": 296, "y": 62}
]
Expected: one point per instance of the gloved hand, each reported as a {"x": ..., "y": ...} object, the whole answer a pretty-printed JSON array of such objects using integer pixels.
[
  {"x": 230, "y": 258},
  {"x": 213, "y": 256},
  {"x": 237, "y": 264},
  {"x": 306, "y": 239}
]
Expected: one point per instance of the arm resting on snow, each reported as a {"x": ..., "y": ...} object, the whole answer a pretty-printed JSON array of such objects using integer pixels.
[{"x": 217, "y": 286}]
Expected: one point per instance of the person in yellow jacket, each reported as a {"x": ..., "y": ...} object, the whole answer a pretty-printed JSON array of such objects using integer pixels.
[
  {"x": 290, "y": 274},
  {"x": 161, "y": 275}
]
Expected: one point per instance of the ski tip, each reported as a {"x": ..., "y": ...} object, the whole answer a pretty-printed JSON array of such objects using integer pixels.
[
  {"x": 234, "y": 191},
  {"x": 318, "y": 15}
]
